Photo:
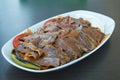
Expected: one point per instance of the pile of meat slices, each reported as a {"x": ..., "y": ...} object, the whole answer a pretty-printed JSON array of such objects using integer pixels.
[{"x": 60, "y": 41}]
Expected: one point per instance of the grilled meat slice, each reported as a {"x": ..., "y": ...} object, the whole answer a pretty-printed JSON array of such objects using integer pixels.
[
  {"x": 49, "y": 62},
  {"x": 52, "y": 27},
  {"x": 84, "y": 42},
  {"x": 40, "y": 40},
  {"x": 30, "y": 49},
  {"x": 69, "y": 47},
  {"x": 54, "y": 52},
  {"x": 94, "y": 33},
  {"x": 64, "y": 58}
]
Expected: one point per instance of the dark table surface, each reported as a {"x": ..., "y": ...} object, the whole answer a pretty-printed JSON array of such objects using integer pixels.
[{"x": 17, "y": 15}]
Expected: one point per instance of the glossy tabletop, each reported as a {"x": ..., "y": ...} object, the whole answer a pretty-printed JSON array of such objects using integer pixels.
[{"x": 17, "y": 15}]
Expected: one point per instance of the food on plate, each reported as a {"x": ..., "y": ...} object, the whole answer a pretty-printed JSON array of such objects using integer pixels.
[
  {"x": 59, "y": 41},
  {"x": 22, "y": 62}
]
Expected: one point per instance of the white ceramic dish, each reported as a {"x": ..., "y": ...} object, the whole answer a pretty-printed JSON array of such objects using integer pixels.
[{"x": 106, "y": 24}]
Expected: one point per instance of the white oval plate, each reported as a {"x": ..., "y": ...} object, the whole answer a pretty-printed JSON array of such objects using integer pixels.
[{"x": 106, "y": 24}]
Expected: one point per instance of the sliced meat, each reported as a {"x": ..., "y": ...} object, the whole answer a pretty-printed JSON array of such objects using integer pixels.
[
  {"x": 71, "y": 50},
  {"x": 52, "y": 26},
  {"x": 50, "y": 51},
  {"x": 47, "y": 38},
  {"x": 63, "y": 56},
  {"x": 31, "y": 53},
  {"x": 60, "y": 41},
  {"x": 84, "y": 42},
  {"x": 69, "y": 23},
  {"x": 72, "y": 43},
  {"x": 94, "y": 33},
  {"x": 30, "y": 49},
  {"x": 66, "y": 23},
  {"x": 73, "y": 33},
  {"x": 50, "y": 62},
  {"x": 53, "y": 52},
  {"x": 47, "y": 35},
  {"x": 40, "y": 40},
  {"x": 22, "y": 49},
  {"x": 34, "y": 38}
]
